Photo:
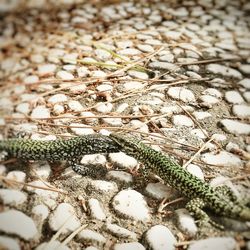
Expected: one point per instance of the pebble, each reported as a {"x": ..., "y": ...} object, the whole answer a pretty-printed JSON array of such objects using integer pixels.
[
  {"x": 212, "y": 92},
  {"x": 186, "y": 222},
  {"x": 195, "y": 170},
  {"x": 223, "y": 70},
  {"x": 235, "y": 127},
  {"x": 182, "y": 120},
  {"x": 145, "y": 48},
  {"x": 164, "y": 65},
  {"x": 129, "y": 52},
  {"x": 64, "y": 75},
  {"x": 98, "y": 74},
  {"x": 58, "y": 109},
  {"x": 77, "y": 89},
  {"x": 81, "y": 129},
  {"x": 64, "y": 216},
  {"x": 139, "y": 126},
  {"x": 122, "y": 107},
  {"x": 57, "y": 98},
  {"x": 12, "y": 197},
  {"x": 120, "y": 232},
  {"x": 160, "y": 237},
  {"x": 41, "y": 192},
  {"x": 159, "y": 191},
  {"x": 104, "y": 107},
  {"x": 102, "y": 54},
  {"x": 219, "y": 137},
  {"x": 124, "y": 44},
  {"x": 92, "y": 237},
  {"x": 25, "y": 228},
  {"x": 132, "y": 85},
  {"x": 115, "y": 122},
  {"x": 41, "y": 211},
  {"x": 245, "y": 83},
  {"x": 103, "y": 186},
  {"x": 40, "y": 112},
  {"x": 122, "y": 160},
  {"x": 31, "y": 79},
  {"x": 234, "y": 97},
  {"x": 242, "y": 110},
  {"x": 8, "y": 243},
  {"x": 138, "y": 74},
  {"x": 46, "y": 69},
  {"x": 223, "y": 158},
  {"x": 75, "y": 106},
  {"x": 246, "y": 95},
  {"x": 96, "y": 209},
  {"x": 200, "y": 115},
  {"x": 104, "y": 88},
  {"x": 180, "y": 93},
  {"x": 26, "y": 127},
  {"x": 131, "y": 204},
  {"x": 82, "y": 71},
  {"x": 89, "y": 120},
  {"x": 198, "y": 133},
  {"x": 23, "y": 108},
  {"x": 94, "y": 159},
  {"x": 16, "y": 176},
  {"x": 208, "y": 100},
  {"x": 55, "y": 245},
  {"x": 169, "y": 57},
  {"x": 245, "y": 68},
  {"x": 129, "y": 246},
  {"x": 70, "y": 58},
  {"x": 120, "y": 176},
  {"x": 222, "y": 243}
]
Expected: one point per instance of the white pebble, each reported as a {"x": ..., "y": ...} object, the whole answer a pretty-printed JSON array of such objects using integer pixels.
[
  {"x": 208, "y": 100},
  {"x": 145, "y": 48},
  {"x": 103, "y": 186},
  {"x": 131, "y": 204},
  {"x": 233, "y": 97},
  {"x": 182, "y": 120},
  {"x": 222, "y": 243},
  {"x": 182, "y": 94},
  {"x": 94, "y": 159},
  {"x": 130, "y": 52},
  {"x": 23, "y": 108},
  {"x": 75, "y": 106},
  {"x": 199, "y": 115},
  {"x": 102, "y": 54},
  {"x": 104, "y": 107},
  {"x": 46, "y": 69},
  {"x": 186, "y": 222},
  {"x": 17, "y": 176},
  {"x": 81, "y": 129},
  {"x": 88, "y": 114},
  {"x": 164, "y": 65},
  {"x": 132, "y": 85},
  {"x": 120, "y": 176},
  {"x": 223, "y": 70},
  {"x": 40, "y": 112},
  {"x": 245, "y": 68},
  {"x": 122, "y": 160},
  {"x": 122, "y": 107},
  {"x": 223, "y": 158},
  {"x": 64, "y": 216},
  {"x": 12, "y": 197},
  {"x": 235, "y": 127},
  {"x": 242, "y": 111},
  {"x": 139, "y": 125},
  {"x": 160, "y": 237},
  {"x": 246, "y": 95},
  {"x": 7, "y": 243},
  {"x": 116, "y": 122},
  {"x": 212, "y": 92},
  {"x": 198, "y": 133},
  {"x": 82, "y": 71},
  {"x": 138, "y": 74},
  {"x": 98, "y": 74},
  {"x": 245, "y": 83},
  {"x": 31, "y": 79},
  {"x": 195, "y": 170},
  {"x": 58, "y": 98},
  {"x": 104, "y": 88},
  {"x": 41, "y": 211},
  {"x": 219, "y": 137},
  {"x": 120, "y": 231},
  {"x": 159, "y": 191},
  {"x": 64, "y": 75},
  {"x": 96, "y": 210},
  {"x": 91, "y": 236},
  {"x": 42, "y": 169},
  {"x": 77, "y": 89},
  {"x": 37, "y": 58},
  {"x": 58, "y": 109},
  {"x": 25, "y": 228},
  {"x": 129, "y": 246}
]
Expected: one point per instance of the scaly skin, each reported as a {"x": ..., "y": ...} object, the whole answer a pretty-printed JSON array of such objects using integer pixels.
[
  {"x": 221, "y": 201},
  {"x": 70, "y": 150}
]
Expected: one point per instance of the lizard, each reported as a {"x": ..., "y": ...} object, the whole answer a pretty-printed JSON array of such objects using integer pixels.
[
  {"x": 71, "y": 149},
  {"x": 220, "y": 200}
]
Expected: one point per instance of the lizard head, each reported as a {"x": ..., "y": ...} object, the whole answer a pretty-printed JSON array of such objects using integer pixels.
[{"x": 129, "y": 145}]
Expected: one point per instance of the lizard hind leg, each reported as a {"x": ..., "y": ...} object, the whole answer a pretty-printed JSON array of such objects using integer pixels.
[
  {"x": 227, "y": 192},
  {"x": 194, "y": 207}
]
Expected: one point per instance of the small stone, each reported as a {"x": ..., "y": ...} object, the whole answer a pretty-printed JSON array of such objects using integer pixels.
[
  {"x": 235, "y": 127},
  {"x": 138, "y": 74},
  {"x": 145, "y": 48},
  {"x": 169, "y": 57},
  {"x": 26, "y": 127},
  {"x": 233, "y": 97},
  {"x": 104, "y": 88},
  {"x": 124, "y": 44},
  {"x": 212, "y": 92},
  {"x": 129, "y": 246},
  {"x": 42, "y": 169},
  {"x": 223, "y": 70},
  {"x": 245, "y": 83},
  {"x": 75, "y": 106},
  {"x": 132, "y": 85},
  {"x": 159, "y": 191},
  {"x": 199, "y": 115},
  {"x": 131, "y": 204},
  {"x": 242, "y": 110},
  {"x": 81, "y": 129},
  {"x": 102, "y": 54},
  {"x": 18, "y": 176},
  {"x": 12, "y": 197},
  {"x": 98, "y": 74},
  {"x": 25, "y": 228},
  {"x": 82, "y": 71},
  {"x": 7, "y": 243},
  {"x": 64, "y": 217},
  {"x": 222, "y": 243},
  {"x": 94, "y": 159},
  {"x": 37, "y": 58},
  {"x": 246, "y": 95},
  {"x": 58, "y": 98},
  {"x": 31, "y": 79},
  {"x": 58, "y": 109},
  {"x": 186, "y": 222},
  {"x": 23, "y": 108},
  {"x": 164, "y": 65},
  {"x": 139, "y": 125},
  {"x": 115, "y": 122},
  {"x": 41, "y": 211},
  {"x": 182, "y": 120},
  {"x": 120, "y": 176},
  {"x": 46, "y": 69},
  {"x": 198, "y": 133},
  {"x": 70, "y": 58},
  {"x": 208, "y": 100},
  {"x": 223, "y": 158},
  {"x": 40, "y": 112},
  {"x": 161, "y": 238},
  {"x": 120, "y": 232},
  {"x": 180, "y": 93},
  {"x": 219, "y": 137},
  {"x": 122, "y": 107},
  {"x": 245, "y": 68},
  {"x": 87, "y": 116},
  {"x": 122, "y": 160},
  {"x": 130, "y": 52},
  {"x": 104, "y": 107},
  {"x": 55, "y": 244},
  {"x": 92, "y": 237},
  {"x": 96, "y": 210},
  {"x": 64, "y": 75},
  {"x": 195, "y": 170},
  {"x": 103, "y": 186},
  {"x": 78, "y": 89}
]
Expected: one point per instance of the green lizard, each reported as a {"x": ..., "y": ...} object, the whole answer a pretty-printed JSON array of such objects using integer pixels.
[
  {"x": 70, "y": 150},
  {"x": 221, "y": 200}
]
